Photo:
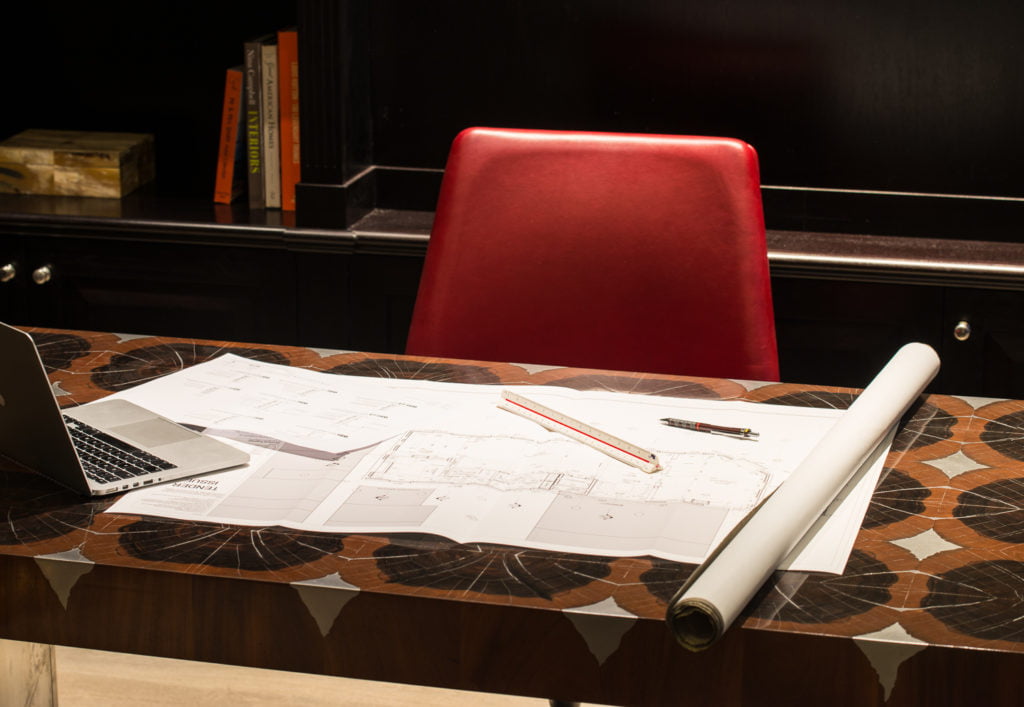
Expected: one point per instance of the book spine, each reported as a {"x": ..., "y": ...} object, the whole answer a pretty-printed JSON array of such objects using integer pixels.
[
  {"x": 227, "y": 184},
  {"x": 288, "y": 85},
  {"x": 253, "y": 140},
  {"x": 270, "y": 126}
]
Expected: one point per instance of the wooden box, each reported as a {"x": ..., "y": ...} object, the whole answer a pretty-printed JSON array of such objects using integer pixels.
[{"x": 74, "y": 163}]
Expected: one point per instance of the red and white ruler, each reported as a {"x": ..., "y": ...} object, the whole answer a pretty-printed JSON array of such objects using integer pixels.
[{"x": 580, "y": 431}]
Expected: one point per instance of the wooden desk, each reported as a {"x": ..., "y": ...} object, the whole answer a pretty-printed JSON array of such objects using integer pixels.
[{"x": 927, "y": 612}]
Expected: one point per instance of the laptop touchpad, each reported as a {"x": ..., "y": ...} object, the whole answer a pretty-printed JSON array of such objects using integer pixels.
[{"x": 152, "y": 433}]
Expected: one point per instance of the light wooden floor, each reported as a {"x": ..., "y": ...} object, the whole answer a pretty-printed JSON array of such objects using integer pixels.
[{"x": 97, "y": 679}]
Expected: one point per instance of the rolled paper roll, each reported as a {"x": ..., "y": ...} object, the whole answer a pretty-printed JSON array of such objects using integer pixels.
[{"x": 704, "y": 608}]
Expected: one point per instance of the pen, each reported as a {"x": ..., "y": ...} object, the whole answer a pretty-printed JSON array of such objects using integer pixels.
[{"x": 742, "y": 432}]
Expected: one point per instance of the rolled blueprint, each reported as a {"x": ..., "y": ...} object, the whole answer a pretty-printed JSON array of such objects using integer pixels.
[{"x": 713, "y": 597}]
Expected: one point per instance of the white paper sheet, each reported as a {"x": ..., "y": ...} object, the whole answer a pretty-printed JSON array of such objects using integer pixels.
[
  {"x": 237, "y": 396},
  {"x": 453, "y": 464}
]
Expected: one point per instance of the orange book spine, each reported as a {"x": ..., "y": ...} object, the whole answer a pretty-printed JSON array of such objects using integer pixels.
[
  {"x": 288, "y": 83},
  {"x": 227, "y": 186}
]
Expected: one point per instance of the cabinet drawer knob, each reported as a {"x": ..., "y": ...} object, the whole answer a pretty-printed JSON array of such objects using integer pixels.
[
  {"x": 962, "y": 330},
  {"x": 7, "y": 272},
  {"x": 42, "y": 275}
]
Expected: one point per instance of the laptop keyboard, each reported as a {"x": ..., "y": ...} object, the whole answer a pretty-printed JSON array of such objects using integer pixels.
[{"x": 105, "y": 458}]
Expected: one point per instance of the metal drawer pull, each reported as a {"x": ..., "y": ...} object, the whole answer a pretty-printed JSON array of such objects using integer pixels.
[
  {"x": 42, "y": 275},
  {"x": 962, "y": 331}
]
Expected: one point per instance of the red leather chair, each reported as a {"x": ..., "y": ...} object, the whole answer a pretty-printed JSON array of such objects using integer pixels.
[{"x": 600, "y": 250}]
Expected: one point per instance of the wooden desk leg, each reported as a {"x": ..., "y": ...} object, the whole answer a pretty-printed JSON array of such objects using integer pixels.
[{"x": 28, "y": 675}]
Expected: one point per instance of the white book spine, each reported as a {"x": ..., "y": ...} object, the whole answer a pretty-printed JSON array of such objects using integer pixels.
[{"x": 271, "y": 128}]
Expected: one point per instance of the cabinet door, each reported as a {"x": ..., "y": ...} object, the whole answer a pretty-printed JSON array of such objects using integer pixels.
[
  {"x": 984, "y": 342},
  {"x": 242, "y": 294},
  {"x": 11, "y": 278},
  {"x": 832, "y": 332},
  {"x": 22, "y": 300}
]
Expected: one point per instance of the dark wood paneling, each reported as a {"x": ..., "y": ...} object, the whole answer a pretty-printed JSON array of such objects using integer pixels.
[
  {"x": 383, "y": 295},
  {"x": 904, "y": 96},
  {"x": 842, "y": 333},
  {"x": 155, "y": 288}
]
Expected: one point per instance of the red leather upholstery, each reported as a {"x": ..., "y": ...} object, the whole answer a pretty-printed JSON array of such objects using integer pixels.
[{"x": 628, "y": 252}]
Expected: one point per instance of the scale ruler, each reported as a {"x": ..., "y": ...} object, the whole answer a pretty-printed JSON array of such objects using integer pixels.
[{"x": 581, "y": 432}]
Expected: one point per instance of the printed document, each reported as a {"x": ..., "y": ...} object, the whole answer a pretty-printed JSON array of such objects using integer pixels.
[{"x": 351, "y": 454}]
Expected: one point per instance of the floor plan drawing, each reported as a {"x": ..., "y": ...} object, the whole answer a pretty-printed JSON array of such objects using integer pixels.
[
  {"x": 555, "y": 464},
  {"x": 445, "y": 459},
  {"x": 374, "y": 505},
  {"x": 679, "y": 528},
  {"x": 285, "y": 486},
  {"x": 439, "y": 457},
  {"x": 556, "y": 491}
]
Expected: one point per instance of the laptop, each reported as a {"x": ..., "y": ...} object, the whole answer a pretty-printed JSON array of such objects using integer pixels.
[{"x": 96, "y": 449}]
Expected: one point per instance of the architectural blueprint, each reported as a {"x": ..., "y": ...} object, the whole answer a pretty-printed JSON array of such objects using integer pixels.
[
  {"x": 295, "y": 406},
  {"x": 441, "y": 458}
]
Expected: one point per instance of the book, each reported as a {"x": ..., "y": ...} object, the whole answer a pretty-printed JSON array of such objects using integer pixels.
[
  {"x": 288, "y": 87},
  {"x": 230, "y": 182},
  {"x": 253, "y": 87},
  {"x": 270, "y": 125}
]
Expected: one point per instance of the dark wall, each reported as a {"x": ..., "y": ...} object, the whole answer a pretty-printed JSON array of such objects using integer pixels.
[{"x": 904, "y": 96}]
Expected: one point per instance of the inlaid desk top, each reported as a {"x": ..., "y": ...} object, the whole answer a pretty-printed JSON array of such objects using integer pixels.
[{"x": 930, "y": 609}]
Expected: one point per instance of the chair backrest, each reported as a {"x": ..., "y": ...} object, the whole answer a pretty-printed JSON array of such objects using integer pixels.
[{"x": 599, "y": 250}]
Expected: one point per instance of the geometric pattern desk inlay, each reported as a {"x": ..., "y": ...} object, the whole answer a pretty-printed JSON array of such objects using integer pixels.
[{"x": 930, "y": 609}]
